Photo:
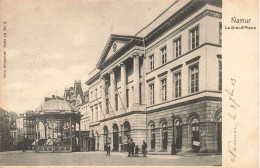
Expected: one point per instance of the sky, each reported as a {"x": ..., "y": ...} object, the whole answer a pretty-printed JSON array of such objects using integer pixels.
[{"x": 50, "y": 44}]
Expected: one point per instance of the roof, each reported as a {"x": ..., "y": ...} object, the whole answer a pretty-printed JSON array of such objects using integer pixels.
[
  {"x": 167, "y": 13},
  {"x": 2, "y": 111},
  {"x": 56, "y": 106},
  {"x": 112, "y": 38}
]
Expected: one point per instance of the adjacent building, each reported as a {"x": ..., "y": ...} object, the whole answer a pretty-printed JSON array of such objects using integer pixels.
[
  {"x": 168, "y": 74},
  {"x": 25, "y": 130},
  {"x": 74, "y": 95},
  {"x": 13, "y": 130},
  {"x": 4, "y": 130},
  {"x": 85, "y": 121}
]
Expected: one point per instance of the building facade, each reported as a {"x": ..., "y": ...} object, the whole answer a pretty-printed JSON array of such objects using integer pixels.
[
  {"x": 13, "y": 130},
  {"x": 85, "y": 121},
  {"x": 25, "y": 130},
  {"x": 74, "y": 95},
  {"x": 167, "y": 77},
  {"x": 4, "y": 130}
]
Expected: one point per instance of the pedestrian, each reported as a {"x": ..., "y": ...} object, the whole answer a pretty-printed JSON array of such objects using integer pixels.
[
  {"x": 144, "y": 147},
  {"x": 132, "y": 147},
  {"x": 24, "y": 145},
  {"x": 136, "y": 150},
  {"x": 108, "y": 149},
  {"x": 129, "y": 148}
]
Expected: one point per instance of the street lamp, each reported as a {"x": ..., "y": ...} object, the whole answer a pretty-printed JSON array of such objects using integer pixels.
[
  {"x": 121, "y": 142},
  {"x": 173, "y": 139}
]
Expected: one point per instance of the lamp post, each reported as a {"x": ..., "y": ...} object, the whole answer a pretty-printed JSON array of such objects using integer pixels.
[
  {"x": 173, "y": 141},
  {"x": 121, "y": 142}
]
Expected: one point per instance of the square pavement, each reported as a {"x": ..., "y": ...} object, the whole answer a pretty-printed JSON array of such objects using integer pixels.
[{"x": 30, "y": 158}]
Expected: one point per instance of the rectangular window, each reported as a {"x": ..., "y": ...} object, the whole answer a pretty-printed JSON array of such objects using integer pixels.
[
  {"x": 116, "y": 99},
  {"x": 151, "y": 93},
  {"x": 101, "y": 111},
  {"x": 220, "y": 33},
  {"x": 96, "y": 112},
  {"x": 220, "y": 76},
  {"x": 177, "y": 46},
  {"x": 91, "y": 96},
  {"x": 163, "y": 90},
  {"x": 127, "y": 97},
  {"x": 151, "y": 60},
  {"x": 107, "y": 106},
  {"x": 92, "y": 114},
  {"x": 194, "y": 79},
  {"x": 96, "y": 93},
  {"x": 177, "y": 84},
  {"x": 194, "y": 37},
  {"x": 164, "y": 55}
]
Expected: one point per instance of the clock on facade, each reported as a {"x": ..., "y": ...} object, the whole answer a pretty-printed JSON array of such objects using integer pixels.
[{"x": 114, "y": 47}]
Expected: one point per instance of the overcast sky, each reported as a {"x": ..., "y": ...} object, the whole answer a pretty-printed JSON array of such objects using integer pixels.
[{"x": 49, "y": 45}]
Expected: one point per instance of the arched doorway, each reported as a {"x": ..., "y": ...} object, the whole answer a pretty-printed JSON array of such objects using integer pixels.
[
  {"x": 164, "y": 135},
  {"x": 195, "y": 139},
  {"x": 178, "y": 133},
  {"x": 152, "y": 135},
  {"x": 115, "y": 137},
  {"x": 127, "y": 132},
  {"x": 105, "y": 137}
]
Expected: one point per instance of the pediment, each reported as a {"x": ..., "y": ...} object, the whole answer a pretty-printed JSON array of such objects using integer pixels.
[{"x": 114, "y": 44}]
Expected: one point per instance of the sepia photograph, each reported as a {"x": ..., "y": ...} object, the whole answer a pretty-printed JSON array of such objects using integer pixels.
[{"x": 113, "y": 83}]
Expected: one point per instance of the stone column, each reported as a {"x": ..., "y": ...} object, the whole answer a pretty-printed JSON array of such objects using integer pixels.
[
  {"x": 103, "y": 96},
  {"x": 80, "y": 135},
  {"x": 52, "y": 128},
  {"x": 136, "y": 96},
  {"x": 112, "y": 90},
  {"x": 123, "y": 85}
]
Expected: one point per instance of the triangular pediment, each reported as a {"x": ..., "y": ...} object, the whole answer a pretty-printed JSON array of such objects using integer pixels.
[{"x": 114, "y": 44}]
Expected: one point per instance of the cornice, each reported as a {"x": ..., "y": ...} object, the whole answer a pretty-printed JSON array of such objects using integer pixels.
[{"x": 178, "y": 17}]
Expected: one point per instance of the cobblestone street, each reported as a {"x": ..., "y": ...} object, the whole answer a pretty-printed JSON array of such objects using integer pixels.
[{"x": 30, "y": 158}]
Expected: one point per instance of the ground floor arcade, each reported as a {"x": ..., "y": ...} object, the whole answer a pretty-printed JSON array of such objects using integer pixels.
[
  {"x": 197, "y": 128},
  {"x": 118, "y": 132}
]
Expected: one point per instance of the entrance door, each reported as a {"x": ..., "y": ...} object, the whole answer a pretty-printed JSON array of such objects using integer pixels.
[
  {"x": 152, "y": 136},
  {"x": 115, "y": 137},
  {"x": 115, "y": 141},
  {"x": 94, "y": 143},
  {"x": 164, "y": 136},
  {"x": 165, "y": 140},
  {"x": 195, "y": 135},
  {"x": 178, "y": 135},
  {"x": 219, "y": 137}
]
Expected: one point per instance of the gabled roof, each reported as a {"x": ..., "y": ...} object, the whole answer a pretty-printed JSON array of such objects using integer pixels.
[{"x": 111, "y": 40}]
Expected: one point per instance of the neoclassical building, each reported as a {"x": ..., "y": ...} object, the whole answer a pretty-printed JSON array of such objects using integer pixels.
[{"x": 173, "y": 66}]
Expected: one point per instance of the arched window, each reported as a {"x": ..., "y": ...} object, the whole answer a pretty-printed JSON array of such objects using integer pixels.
[
  {"x": 164, "y": 135},
  {"x": 152, "y": 135}
]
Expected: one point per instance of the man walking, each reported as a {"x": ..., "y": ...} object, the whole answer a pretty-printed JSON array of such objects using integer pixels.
[
  {"x": 131, "y": 147},
  {"x": 144, "y": 147},
  {"x": 108, "y": 149}
]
